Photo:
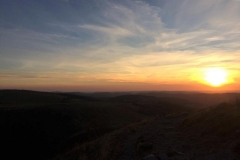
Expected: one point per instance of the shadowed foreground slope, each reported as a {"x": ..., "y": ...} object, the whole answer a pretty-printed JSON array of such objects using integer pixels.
[
  {"x": 39, "y": 125},
  {"x": 207, "y": 134}
]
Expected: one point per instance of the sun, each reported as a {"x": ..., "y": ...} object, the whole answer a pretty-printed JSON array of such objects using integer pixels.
[{"x": 215, "y": 76}]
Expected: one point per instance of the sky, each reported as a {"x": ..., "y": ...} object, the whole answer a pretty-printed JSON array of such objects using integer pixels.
[{"x": 118, "y": 45}]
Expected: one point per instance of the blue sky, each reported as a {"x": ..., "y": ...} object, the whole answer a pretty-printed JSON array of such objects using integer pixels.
[{"x": 83, "y": 43}]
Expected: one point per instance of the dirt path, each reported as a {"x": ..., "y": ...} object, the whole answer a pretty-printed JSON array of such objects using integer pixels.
[{"x": 163, "y": 136}]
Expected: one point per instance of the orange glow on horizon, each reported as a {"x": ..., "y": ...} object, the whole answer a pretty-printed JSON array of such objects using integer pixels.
[{"x": 150, "y": 79}]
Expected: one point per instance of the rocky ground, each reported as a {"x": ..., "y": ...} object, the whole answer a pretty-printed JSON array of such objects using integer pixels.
[{"x": 163, "y": 138}]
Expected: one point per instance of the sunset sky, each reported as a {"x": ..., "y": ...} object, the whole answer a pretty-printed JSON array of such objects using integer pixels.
[{"x": 124, "y": 45}]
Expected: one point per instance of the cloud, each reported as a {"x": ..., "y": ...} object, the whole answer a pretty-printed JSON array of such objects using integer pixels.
[{"x": 111, "y": 31}]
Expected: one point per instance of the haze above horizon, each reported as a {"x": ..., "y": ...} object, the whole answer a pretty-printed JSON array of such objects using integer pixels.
[{"x": 110, "y": 45}]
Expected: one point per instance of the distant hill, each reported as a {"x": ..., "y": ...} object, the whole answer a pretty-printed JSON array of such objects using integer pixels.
[
  {"x": 134, "y": 99},
  {"x": 105, "y": 95},
  {"x": 152, "y": 105},
  {"x": 141, "y": 98},
  {"x": 196, "y": 99},
  {"x": 26, "y": 96},
  {"x": 78, "y": 97},
  {"x": 200, "y": 99}
]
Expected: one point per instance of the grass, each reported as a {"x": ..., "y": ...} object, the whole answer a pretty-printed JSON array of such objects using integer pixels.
[
  {"x": 41, "y": 123},
  {"x": 52, "y": 123},
  {"x": 218, "y": 127},
  {"x": 105, "y": 147},
  {"x": 222, "y": 120}
]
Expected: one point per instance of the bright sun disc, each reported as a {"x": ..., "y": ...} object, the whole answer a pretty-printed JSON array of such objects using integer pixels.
[{"x": 215, "y": 76}]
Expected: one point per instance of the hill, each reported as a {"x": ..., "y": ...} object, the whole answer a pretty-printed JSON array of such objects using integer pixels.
[
  {"x": 77, "y": 125},
  {"x": 27, "y": 97},
  {"x": 151, "y": 105},
  {"x": 220, "y": 123},
  {"x": 198, "y": 99},
  {"x": 207, "y": 134},
  {"x": 49, "y": 123}
]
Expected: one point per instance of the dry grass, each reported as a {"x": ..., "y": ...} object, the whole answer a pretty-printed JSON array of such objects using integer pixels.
[{"x": 105, "y": 147}]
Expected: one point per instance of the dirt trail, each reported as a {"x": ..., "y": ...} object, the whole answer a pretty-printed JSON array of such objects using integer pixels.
[{"x": 163, "y": 136}]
